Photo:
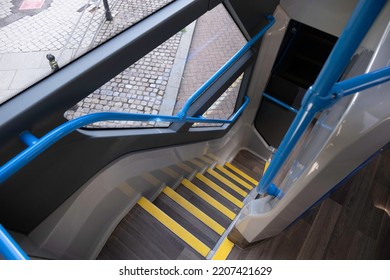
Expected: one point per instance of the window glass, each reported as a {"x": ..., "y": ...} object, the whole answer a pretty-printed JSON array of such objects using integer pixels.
[
  {"x": 164, "y": 79},
  {"x": 224, "y": 106},
  {"x": 32, "y": 29}
]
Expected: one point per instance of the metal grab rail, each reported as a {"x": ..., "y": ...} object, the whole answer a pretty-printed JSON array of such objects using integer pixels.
[
  {"x": 277, "y": 101},
  {"x": 325, "y": 92},
  {"x": 362, "y": 82},
  {"x": 9, "y": 248}
]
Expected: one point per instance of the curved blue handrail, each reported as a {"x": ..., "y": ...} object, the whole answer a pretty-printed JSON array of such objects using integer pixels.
[
  {"x": 37, "y": 146},
  {"x": 9, "y": 248}
]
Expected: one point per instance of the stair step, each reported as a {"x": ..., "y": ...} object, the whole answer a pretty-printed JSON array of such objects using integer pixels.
[
  {"x": 187, "y": 220},
  {"x": 220, "y": 190},
  {"x": 230, "y": 175},
  {"x": 241, "y": 173},
  {"x": 216, "y": 227},
  {"x": 177, "y": 229},
  {"x": 249, "y": 163},
  {"x": 203, "y": 206},
  {"x": 140, "y": 236},
  {"x": 222, "y": 181},
  {"x": 217, "y": 196},
  {"x": 185, "y": 223},
  {"x": 209, "y": 199}
]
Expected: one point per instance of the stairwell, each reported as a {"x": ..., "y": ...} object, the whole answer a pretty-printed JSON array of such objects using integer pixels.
[{"x": 189, "y": 222}]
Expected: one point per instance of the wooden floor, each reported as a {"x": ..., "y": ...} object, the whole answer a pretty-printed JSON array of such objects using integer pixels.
[{"x": 352, "y": 223}]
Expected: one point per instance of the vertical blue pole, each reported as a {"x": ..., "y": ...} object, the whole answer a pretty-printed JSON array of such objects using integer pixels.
[
  {"x": 9, "y": 248},
  {"x": 319, "y": 96}
]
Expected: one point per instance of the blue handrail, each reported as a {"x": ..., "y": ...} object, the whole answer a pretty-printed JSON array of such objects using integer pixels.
[
  {"x": 320, "y": 94},
  {"x": 37, "y": 146},
  {"x": 9, "y": 249},
  {"x": 183, "y": 112},
  {"x": 362, "y": 82},
  {"x": 277, "y": 101}
]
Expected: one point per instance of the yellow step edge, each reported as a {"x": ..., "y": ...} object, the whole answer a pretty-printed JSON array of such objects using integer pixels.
[
  {"x": 266, "y": 166},
  {"x": 223, "y": 250},
  {"x": 173, "y": 226},
  {"x": 197, "y": 163},
  {"x": 234, "y": 177},
  {"x": 170, "y": 172},
  {"x": 217, "y": 205},
  {"x": 206, "y": 159},
  {"x": 242, "y": 173},
  {"x": 194, "y": 210},
  {"x": 220, "y": 190},
  {"x": 227, "y": 182},
  {"x": 184, "y": 167},
  {"x": 151, "y": 179}
]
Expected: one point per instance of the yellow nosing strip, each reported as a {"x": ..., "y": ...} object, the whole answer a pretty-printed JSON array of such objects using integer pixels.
[
  {"x": 184, "y": 167},
  {"x": 206, "y": 159},
  {"x": 234, "y": 177},
  {"x": 197, "y": 163},
  {"x": 220, "y": 190},
  {"x": 223, "y": 250},
  {"x": 242, "y": 173},
  {"x": 151, "y": 179},
  {"x": 194, "y": 210},
  {"x": 266, "y": 166},
  {"x": 177, "y": 229},
  {"x": 217, "y": 205},
  {"x": 227, "y": 182},
  {"x": 170, "y": 172}
]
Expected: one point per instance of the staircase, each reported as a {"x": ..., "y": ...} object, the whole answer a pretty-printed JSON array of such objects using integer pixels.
[{"x": 189, "y": 222}]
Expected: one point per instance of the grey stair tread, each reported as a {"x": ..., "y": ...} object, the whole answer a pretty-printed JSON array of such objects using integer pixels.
[
  {"x": 204, "y": 206},
  {"x": 187, "y": 220},
  {"x": 243, "y": 169},
  {"x": 250, "y": 164},
  {"x": 226, "y": 188},
  {"x": 187, "y": 254},
  {"x": 227, "y": 203},
  {"x": 255, "y": 174},
  {"x": 234, "y": 181},
  {"x": 117, "y": 250},
  {"x": 140, "y": 236}
]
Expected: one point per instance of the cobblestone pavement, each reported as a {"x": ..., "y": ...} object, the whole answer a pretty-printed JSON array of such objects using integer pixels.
[
  {"x": 216, "y": 39},
  {"x": 5, "y": 8},
  {"x": 141, "y": 87},
  {"x": 138, "y": 89},
  {"x": 50, "y": 29}
]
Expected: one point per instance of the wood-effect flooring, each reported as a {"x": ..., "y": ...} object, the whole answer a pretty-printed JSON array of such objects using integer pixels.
[{"x": 351, "y": 223}]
